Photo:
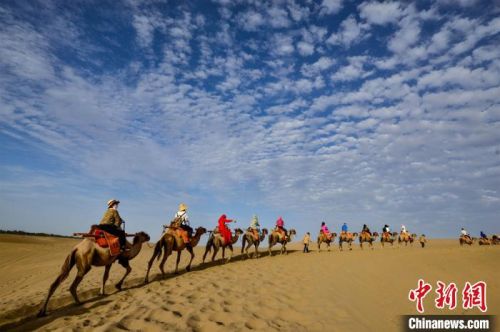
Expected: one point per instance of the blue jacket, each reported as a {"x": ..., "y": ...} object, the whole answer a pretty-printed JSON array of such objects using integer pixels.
[{"x": 344, "y": 228}]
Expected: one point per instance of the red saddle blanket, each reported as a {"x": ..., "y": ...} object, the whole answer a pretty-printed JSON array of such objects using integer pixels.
[{"x": 106, "y": 240}]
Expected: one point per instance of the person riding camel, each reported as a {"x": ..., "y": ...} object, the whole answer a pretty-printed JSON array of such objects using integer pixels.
[
  {"x": 483, "y": 235},
  {"x": 404, "y": 231},
  {"x": 324, "y": 230},
  {"x": 180, "y": 223},
  {"x": 111, "y": 222},
  {"x": 386, "y": 231},
  {"x": 464, "y": 233},
  {"x": 255, "y": 227},
  {"x": 366, "y": 230},
  {"x": 344, "y": 228},
  {"x": 223, "y": 229},
  {"x": 280, "y": 223}
]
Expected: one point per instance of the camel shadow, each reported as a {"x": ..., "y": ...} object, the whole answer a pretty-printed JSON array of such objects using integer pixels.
[
  {"x": 32, "y": 322},
  {"x": 207, "y": 265}
]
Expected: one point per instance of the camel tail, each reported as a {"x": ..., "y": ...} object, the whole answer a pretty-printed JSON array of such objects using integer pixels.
[
  {"x": 243, "y": 242},
  {"x": 157, "y": 251},
  {"x": 209, "y": 244},
  {"x": 65, "y": 269},
  {"x": 68, "y": 265}
]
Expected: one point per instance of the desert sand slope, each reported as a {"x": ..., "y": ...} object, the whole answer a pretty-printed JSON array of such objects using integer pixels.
[{"x": 359, "y": 290}]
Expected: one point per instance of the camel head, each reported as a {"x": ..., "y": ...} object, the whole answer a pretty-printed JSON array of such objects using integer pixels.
[
  {"x": 414, "y": 235},
  {"x": 354, "y": 234},
  {"x": 334, "y": 234},
  {"x": 141, "y": 237},
  {"x": 394, "y": 234},
  {"x": 238, "y": 231},
  {"x": 200, "y": 231},
  {"x": 292, "y": 232},
  {"x": 375, "y": 234},
  {"x": 264, "y": 231}
]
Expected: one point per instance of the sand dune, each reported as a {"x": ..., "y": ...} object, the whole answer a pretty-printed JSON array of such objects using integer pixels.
[{"x": 360, "y": 290}]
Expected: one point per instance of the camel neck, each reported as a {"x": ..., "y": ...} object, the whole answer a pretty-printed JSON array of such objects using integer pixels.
[{"x": 196, "y": 239}]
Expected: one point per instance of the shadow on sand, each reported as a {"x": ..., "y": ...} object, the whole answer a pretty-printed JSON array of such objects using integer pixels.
[{"x": 31, "y": 322}]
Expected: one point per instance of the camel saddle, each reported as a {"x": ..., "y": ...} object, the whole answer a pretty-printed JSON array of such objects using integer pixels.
[{"x": 106, "y": 240}]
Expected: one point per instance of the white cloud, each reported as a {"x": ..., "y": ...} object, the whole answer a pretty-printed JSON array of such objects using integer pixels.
[
  {"x": 246, "y": 115},
  {"x": 407, "y": 36},
  {"x": 354, "y": 70},
  {"x": 317, "y": 67},
  {"x": 331, "y": 6},
  {"x": 278, "y": 17},
  {"x": 380, "y": 13},
  {"x": 251, "y": 20},
  {"x": 350, "y": 31},
  {"x": 305, "y": 49}
]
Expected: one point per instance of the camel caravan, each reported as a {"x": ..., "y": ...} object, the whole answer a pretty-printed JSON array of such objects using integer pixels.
[
  {"x": 107, "y": 243},
  {"x": 483, "y": 239}
]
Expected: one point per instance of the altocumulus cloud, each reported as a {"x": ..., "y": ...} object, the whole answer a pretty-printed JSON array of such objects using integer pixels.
[{"x": 324, "y": 110}]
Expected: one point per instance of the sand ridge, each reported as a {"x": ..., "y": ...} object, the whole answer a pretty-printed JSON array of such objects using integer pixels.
[{"x": 336, "y": 291}]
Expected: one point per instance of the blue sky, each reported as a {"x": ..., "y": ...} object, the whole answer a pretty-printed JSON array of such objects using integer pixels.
[{"x": 333, "y": 110}]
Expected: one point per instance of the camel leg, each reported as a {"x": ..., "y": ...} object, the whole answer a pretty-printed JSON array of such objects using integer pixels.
[
  {"x": 256, "y": 245},
  {"x": 105, "y": 278},
  {"x": 231, "y": 254},
  {"x": 216, "y": 249},
  {"x": 177, "y": 262},
  {"x": 223, "y": 253},
  {"x": 188, "y": 267},
  {"x": 163, "y": 260},
  {"x": 361, "y": 244},
  {"x": 151, "y": 261},
  {"x": 79, "y": 277},
  {"x": 205, "y": 254},
  {"x": 67, "y": 266},
  {"x": 126, "y": 265}
]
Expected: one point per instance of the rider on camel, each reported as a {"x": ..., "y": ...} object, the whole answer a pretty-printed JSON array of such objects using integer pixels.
[
  {"x": 223, "y": 229},
  {"x": 386, "y": 231},
  {"x": 404, "y": 231},
  {"x": 280, "y": 227},
  {"x": 111, "y": 222},
  {"x": 181, "y": 224},
  {"x": 255, "y": 227},
  {"x": 366, "y": 230},
  {"x": 324, "y": 230},
  {"x": 344, "y": 228}
]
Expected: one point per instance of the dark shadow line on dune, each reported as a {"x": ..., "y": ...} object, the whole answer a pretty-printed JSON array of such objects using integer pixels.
[{"x": 32, "y": 322}]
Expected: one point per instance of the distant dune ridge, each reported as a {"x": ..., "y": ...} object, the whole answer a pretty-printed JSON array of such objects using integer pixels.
[{"x": 358, "y": 290}]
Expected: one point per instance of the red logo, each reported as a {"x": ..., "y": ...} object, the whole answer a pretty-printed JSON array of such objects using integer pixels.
[{"x": 473, "y": 296}]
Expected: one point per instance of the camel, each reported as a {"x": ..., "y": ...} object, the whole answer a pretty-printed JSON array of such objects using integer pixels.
[
  {"x": 466, "y": 240},
  {"x": 388, "y": 237},
  {"x": 249, "y": 238},
  {"x": 347, "y": 237},
  {"x": 495, "y": 239},
  {"x": 406, "y": 238},
  {"x": 366, "y": 237},
  {"x": 216, "y": 241},
  {"x": 87, "y": 254},
  {"x": 276, "y": 237},
  {"x": 323, "y": 238},
  {"x": 484, "y": 242},
  {"x": 170, "y": 242}
]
